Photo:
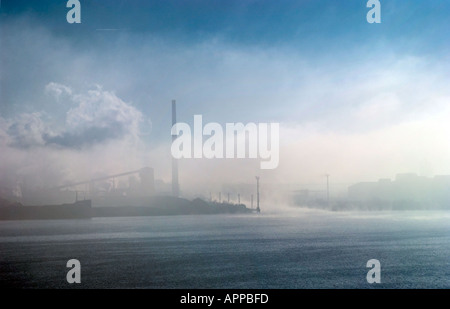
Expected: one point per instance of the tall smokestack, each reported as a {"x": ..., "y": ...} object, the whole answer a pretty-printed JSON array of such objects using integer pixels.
[
  {"x": 257, "y": 194},
  {"x": 175, "y": 185}
]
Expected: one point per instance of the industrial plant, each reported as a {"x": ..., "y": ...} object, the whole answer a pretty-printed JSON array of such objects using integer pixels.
[{"x": 129, "y": 193}]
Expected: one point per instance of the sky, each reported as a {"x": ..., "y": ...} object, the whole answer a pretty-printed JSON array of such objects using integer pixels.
[{"x": 355, "y": 100}]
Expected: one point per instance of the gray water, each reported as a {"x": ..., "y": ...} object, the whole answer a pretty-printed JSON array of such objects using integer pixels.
[{"x": 299, "y": 249}]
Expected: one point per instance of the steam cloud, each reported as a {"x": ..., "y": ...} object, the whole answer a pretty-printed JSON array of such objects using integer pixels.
[
  {"x": 99, "y": 116},
  {"x": 100, "y": 124}
]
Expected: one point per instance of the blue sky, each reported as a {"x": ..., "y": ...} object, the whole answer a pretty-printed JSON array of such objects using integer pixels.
[
  {"x": 318, "y": 32},
  {"x": 302, "y": 24},
  {"x": 317, "y": 67}
]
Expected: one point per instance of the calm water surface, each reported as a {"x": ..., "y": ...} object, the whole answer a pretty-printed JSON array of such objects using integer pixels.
[{"x": 299, "y": 249}]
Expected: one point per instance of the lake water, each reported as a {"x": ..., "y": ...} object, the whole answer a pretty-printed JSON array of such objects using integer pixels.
[{"x": 299, "y": 249}]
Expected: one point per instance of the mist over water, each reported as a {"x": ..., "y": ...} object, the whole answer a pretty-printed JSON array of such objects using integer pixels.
[{"x": 299, "y": 249}]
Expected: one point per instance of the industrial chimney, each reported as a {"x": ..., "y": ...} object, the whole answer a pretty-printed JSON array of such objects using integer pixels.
[
  {"x": 175, "y": 185},
  {"x": 257, "y": 194}
]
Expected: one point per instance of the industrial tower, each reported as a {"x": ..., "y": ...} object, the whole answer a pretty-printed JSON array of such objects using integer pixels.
[{"x": 257, "y": 194}]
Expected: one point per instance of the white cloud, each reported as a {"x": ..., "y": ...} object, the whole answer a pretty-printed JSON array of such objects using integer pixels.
[
  {"x": 26, "y": 130},
  {"x": 104, "y": 109},
  {"x": 98, "y": 117},
  {"x": 101, "y": 134},
  {"x": 57, "y": 90}
]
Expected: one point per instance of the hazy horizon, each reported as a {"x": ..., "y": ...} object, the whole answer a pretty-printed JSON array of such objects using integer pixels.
[{"x": 354, "y": 100}]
